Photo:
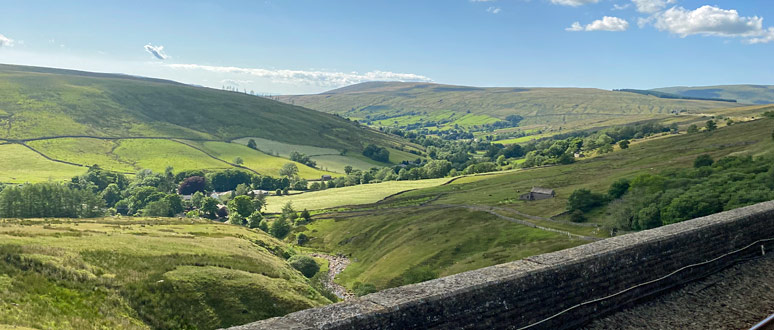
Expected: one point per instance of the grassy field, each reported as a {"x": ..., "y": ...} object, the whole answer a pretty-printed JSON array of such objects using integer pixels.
[
  {"x": 67, "y": 107},
  {"x": 596, "y": 174},
  {"x": 140, "y": 273},
  {"x": 19, "y": 165},
  {"x": 568, "y": 108},
  {"x": 442, "y": 230},
  {"x": 354, "y": 195},
  {"x": 256, "y": 160},
  {"x": 401, "y": 246}
]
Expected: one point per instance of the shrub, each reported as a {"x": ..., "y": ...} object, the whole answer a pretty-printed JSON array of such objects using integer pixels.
[
  {"x": 304, "y": 264},
  {"x": 618, "y": 188},
  {"x": 362, "y": 289},
  {"x": 703, "y": 160},
  {"x": 280, "y": 228},
  {"x": 577, "y": 216},
  {"x": 585, "y": 200}
]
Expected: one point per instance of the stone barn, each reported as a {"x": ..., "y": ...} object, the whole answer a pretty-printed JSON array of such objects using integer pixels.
[{"x": 538, "y": 193}]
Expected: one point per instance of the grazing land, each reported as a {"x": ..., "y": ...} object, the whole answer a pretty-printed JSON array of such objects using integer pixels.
[
  {"x": 105, "y": 119},
  {"x": 139, "y": 273},
  {"x": 401, "y": 104},
  {"x": 353, "y": 195},
  {"x": 419, "y": 234}
]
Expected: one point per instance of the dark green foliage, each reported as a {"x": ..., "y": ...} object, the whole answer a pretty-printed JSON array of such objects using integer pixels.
[
  {"x": 228, "y": 179},
  {"x": 585, "y": 200},
  {"x": 280, "y": 228},
  {"x": 243, "y": 205},
  {"x": 693, "y": 128},
  {"x": 577, "y": 216},
  {"x": 301, "y": 239},
  {"x": 304, "y": 264},
  {"x": 711, "y": 125},
  {"x": 377, "y": 153},
  {"x": 209, "y": 207},
  {"x": 703, "y": 160},
  {"x": 624, "y": 144},
  {"x": 306, "y": 216},
  {"x": 618, "y": 188},
  {"x": 251, "y": 144},
  {"x": 254, "y": 220},
  {"x": 678, "y": 195},
  {"x": 347, "y": 169},
  {"x": 45, "y": 200},
  {"x": 289, "y": 170},
  {"x": 302, "y": 158}
]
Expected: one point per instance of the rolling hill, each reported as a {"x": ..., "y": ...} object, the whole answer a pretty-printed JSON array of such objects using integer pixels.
[
  {"x": 399, "y": 104},
  {"x": 126, "y": 123},
  {"x": 749, "y": 94},
  {"x": 480, "y": 221},
  {"x": 144, "y": 273}
]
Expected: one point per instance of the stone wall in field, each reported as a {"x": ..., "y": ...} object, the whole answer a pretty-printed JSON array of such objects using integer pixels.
[{"x": 557, "y": 290}]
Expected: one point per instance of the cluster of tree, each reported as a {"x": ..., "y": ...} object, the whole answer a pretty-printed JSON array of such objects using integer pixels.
[
  {"x": 561, "y": 149},
  {"x": 653, "y": 200},
  {"x": 43, "y": 200},
  {"x": 303, "y": 159},
  {"x": 377, "y": 153}
]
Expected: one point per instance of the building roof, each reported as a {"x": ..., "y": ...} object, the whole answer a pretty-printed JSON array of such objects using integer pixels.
[{"x": 544, "y": 191}]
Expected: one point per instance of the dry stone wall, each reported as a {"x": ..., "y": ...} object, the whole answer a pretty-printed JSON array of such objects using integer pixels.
[{"x": 560, "y": 290}]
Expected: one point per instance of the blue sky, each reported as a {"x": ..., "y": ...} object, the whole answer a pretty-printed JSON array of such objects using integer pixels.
[{"x": 311, "y": 46}]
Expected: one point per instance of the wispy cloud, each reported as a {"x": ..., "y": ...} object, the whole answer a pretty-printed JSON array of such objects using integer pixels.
[
  {"x": 493, "y": 10},
  {"x": 156, "y": 51},
  {"x": 607, "y": 23},
  {"x": 573, "y": 3},
  {"x": 713, "y": 21},
  {"x": 317, "y": 78},
  {"x": 5, "y": 41},
  {"x": 621, "y": 7},
  {"x": 652, "y": 6}
]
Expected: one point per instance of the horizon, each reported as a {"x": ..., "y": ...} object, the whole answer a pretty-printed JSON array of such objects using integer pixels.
[{"x": 304, "y": 47}]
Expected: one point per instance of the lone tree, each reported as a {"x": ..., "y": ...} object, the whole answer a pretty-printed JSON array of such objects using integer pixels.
[
  {"x": 251, "y": 144},
  {"x": 624, "y": 144},
  {"x": 289, "y": 170},
  {"x": 693, "y": 128},
  {"x": 280, "y": 228},
  {"x": 238, "y": 160},
  {"x": 304, "y": 264},
  {"x": 711, "y": 126},
  {"x": 348, "y": 169}
]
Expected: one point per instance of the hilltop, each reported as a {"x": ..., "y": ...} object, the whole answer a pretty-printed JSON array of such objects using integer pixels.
[
  {"x": 402, "y": 104},
  {"x": 54, "y": 121},
  {"x": 750, "y": 94}
]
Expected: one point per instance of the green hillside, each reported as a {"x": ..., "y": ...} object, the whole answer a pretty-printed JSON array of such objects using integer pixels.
[
  {"x": 81, "y": 119},
  {"x": 141, "y": 273},
  {"x": 480, "y": 221},
  {"x": 748, "y": 94},
  {"x": 400, "y": 104}
]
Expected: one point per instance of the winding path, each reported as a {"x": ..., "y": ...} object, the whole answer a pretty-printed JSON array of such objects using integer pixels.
[{"x": 336, "y": 265}]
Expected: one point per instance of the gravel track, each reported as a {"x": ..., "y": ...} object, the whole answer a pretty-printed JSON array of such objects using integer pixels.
[{"x": 735, "y": 298}]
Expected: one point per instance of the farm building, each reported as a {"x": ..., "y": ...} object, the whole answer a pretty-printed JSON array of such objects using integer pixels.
[
  {"x": 538, "y": 193},
  {"x": 326, "y": 177}
]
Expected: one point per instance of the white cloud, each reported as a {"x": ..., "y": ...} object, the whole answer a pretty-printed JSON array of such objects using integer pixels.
[
  {"x": 5, "y": 41},
  {"x": 156, "y": 51},
  {"x": 766, "y": 37},
  {"x": 318, "y": 78},
  {"x": 621, "y": 7},
  {"x": 607, "y": 23},
  {"x": 493, "y": 10},
  {"x": 652, "y": 6},
  {"x": 573, "y": 3},
  {"x": 713, "y": 21}
]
